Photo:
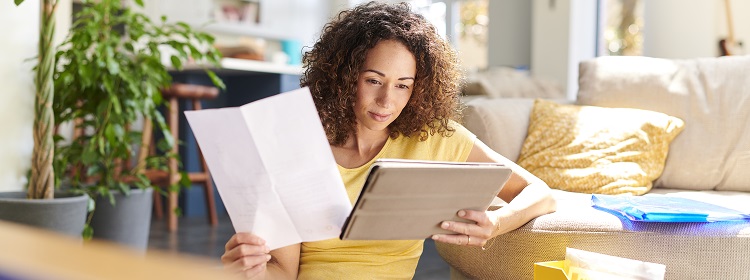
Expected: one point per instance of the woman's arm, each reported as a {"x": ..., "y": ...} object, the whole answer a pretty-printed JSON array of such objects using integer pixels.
[
  {"x": 528, "y": 197},
  {"x": 248, "y": 255}
]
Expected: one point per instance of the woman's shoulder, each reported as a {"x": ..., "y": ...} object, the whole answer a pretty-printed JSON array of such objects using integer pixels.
[
  {"x": 452, "y": 143},
  {"x": 437, "y": 134},
  {"x": 449, "y": 130}
]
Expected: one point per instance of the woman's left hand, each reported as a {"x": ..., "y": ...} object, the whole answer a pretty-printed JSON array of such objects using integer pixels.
[{"x": 467, "y": 233}]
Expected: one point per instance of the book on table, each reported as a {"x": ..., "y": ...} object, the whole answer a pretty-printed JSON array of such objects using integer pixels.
[{"x": 664, "y": 208}]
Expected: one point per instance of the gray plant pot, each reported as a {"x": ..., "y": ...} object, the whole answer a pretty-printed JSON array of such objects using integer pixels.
[
  {"x": 127, "y": 222},
  {"x": 65, "y": 214}
]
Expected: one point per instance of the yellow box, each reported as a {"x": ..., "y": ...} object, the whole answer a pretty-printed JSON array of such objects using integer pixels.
[{"x": 553, "y": 270}]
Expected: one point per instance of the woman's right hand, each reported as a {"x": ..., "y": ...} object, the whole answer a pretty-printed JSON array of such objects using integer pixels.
[{"x": 246, "y": 254}]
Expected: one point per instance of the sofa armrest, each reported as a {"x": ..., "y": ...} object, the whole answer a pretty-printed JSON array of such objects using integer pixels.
[{"x": 705, "y": 251}]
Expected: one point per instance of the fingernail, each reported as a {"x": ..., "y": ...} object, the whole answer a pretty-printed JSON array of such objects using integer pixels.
[
  {"x": 268, "y": 257},
  {"x": 267, "y": 249},
  {"x": 435, "y": 237},
  {"x": 461, "y": 213},
  {"x": 444, "y": 225}
]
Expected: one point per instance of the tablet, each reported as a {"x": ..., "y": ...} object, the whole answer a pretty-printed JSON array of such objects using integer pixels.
[{"x": 408, "y": 199}]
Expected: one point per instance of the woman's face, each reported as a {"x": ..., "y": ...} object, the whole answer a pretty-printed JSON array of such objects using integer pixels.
[{"x": 384, "y": 85}]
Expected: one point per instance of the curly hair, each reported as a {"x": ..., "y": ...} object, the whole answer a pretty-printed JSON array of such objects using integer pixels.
[{"x": 334, "y": 63}]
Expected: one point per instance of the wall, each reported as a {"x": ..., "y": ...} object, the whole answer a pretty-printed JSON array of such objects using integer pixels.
[
  {"x": 16, "y": 75},
  {"x": 695, "y": 30},
  {"x": 509, "y": 39},
  {"x": 691, "y": 32},
  {"x": 740, "y": 10},
  {"x": 16, "y": 110},
  {"x": 553, "y": 40},
  {"x": 563, "y": 34}
]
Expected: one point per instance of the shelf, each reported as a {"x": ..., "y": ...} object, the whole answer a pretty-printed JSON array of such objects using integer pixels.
[
  {"x": 260, "y": 66},
  {"x": 245, "y": 65},
  {"x": 243, "y": 29}
]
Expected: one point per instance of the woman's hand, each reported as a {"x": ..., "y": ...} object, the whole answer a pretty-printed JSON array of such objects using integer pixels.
[
  {"x": 246, "y": 254},
  {"x": 469, "y": 234}
]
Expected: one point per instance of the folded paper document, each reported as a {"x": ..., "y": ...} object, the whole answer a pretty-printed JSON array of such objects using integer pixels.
[
  {"x": 663, "y": 208},
  {"x": 585, "y": 265},
  {"x": 408, "y": 199},
  {"x": 273, "y": 168}
]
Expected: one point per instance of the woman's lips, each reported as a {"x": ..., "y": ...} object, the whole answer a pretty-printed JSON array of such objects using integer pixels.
[{"x": 379, "y": 117}]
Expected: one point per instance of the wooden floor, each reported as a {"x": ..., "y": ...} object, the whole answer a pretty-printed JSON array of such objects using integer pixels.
[{"x": 196, "y": 237}]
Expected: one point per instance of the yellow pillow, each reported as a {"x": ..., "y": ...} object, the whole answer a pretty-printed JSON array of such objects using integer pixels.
[{"x": 592, "y": 149}]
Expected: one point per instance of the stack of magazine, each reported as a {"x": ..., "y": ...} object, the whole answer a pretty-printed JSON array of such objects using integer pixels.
[{"x": 663, "y": 208}]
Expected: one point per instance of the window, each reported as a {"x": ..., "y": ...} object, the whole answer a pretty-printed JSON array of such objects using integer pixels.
[{"x": 622, "y": 25}]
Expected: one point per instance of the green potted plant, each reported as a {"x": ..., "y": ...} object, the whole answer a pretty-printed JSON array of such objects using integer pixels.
[
  {"x": 40, "y": 206},
  {"x": 109, "y": 74}
]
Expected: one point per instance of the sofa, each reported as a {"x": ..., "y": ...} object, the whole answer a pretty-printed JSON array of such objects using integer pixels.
[{"x": 709, "y": 160}]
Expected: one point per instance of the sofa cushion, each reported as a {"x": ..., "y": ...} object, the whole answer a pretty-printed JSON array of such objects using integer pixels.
[
  {"x": 593, "y": 149},
  {"x": 500, "y": 123},
  {"x": 712, "y": 96}
]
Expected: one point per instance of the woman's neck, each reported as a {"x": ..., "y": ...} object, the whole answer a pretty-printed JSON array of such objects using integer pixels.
[{"x": 360, "y": 148}]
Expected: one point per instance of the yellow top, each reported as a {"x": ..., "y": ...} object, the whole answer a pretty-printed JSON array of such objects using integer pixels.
[{"x": 381, "y": 259}]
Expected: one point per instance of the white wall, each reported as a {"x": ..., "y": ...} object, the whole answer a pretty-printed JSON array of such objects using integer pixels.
[
  {"x": 678, "y": 29},
  {"x": 740, "y": 12},
  {"x": 563, "y": 34},
  {"x": 550, "y": 35},
  {"x": 509, "y": 38},
  {"x": 19, "y": 33}
]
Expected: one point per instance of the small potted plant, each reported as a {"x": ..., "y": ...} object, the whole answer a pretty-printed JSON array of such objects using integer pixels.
[
  {"x": 109, "y": 73},
  {"x": 41, "y": 206}
]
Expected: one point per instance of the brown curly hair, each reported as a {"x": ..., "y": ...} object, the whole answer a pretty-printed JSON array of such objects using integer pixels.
[{"x": 333, "y": 66}]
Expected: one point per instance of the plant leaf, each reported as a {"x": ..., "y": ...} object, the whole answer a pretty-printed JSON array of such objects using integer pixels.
[
  {"x": 89, "y": 156},
  {"x": 184, "y": 180},
  {"x": 18, "y": 2},
  {"x": 113, "y": 66},
  {"x": 176, "y": 62},
  {"x": 88, "y": 231},
  {"x": 215, "y": 79},
  {"x": 91, "y": 206}
]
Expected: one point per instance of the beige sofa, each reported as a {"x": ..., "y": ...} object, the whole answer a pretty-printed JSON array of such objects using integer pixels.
[{"x": 709, "y": 161}]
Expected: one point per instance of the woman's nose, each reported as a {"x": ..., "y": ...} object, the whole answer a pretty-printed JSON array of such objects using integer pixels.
[{"x": 384, "y": 97}]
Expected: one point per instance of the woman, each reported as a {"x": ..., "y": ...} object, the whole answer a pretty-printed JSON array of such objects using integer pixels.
[{"x": 387, "y": 86}]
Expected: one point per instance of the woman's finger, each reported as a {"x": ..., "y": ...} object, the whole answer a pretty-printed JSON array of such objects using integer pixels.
[
  {"x": 244, "y": 250},
  {"x": 256, "y": 272},
  {"x": 244, "y": 238},
  {"x": 480, "y": 217},
  {"x": 467, "y": 229},
  {"x": 249, "y": 262},
  {"x": 460, "y": 239}
]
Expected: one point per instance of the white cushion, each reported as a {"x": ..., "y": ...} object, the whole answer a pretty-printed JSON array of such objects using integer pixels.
[
  {"x": 501, "y": 123},
  {"x": 712, "y": 96}
]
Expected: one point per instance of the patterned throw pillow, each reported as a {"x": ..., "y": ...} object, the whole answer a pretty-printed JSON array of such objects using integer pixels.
[{"x": 592, "y": 149}]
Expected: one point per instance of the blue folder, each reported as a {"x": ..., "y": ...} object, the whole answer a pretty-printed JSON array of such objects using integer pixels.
[{"x": 662, "y": 208}]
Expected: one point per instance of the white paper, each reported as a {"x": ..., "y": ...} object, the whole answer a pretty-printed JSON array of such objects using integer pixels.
[
  {"x": 594, "y": 266},
  {"x": 273, "y": 168}
]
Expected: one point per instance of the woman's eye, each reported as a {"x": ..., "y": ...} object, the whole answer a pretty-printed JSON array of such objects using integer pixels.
[
  {"x": 403, "y": 86},
  {"x": 374, "y": 82}
]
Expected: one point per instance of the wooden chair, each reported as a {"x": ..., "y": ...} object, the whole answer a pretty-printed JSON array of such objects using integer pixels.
[{"x": 173, "y": 94}]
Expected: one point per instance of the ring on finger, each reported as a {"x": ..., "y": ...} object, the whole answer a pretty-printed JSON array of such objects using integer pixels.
[{"x": 468, "y": 239}]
